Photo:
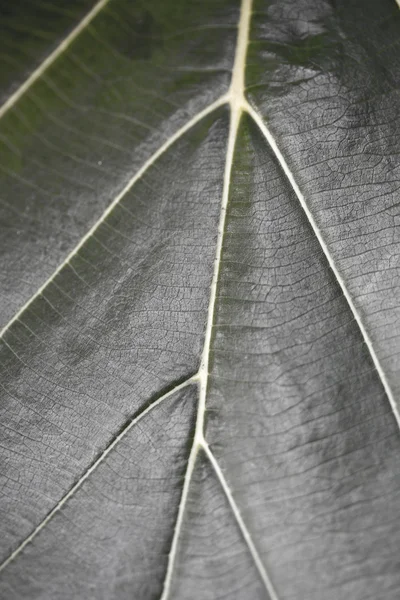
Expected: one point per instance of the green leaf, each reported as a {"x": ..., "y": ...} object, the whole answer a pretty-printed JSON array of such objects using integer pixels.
[{"x": 199, "y": 300}]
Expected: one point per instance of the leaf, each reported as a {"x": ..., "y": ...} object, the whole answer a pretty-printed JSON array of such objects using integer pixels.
[{"x": 200, "y": 304}]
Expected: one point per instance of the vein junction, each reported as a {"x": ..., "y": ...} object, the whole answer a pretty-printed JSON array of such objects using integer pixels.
[
  {"x": 238, "y": 103},
  {"x": 236, "y": 100}
]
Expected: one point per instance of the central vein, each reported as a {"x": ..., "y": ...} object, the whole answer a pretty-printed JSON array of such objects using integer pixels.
[{"x": 237, "y": 102}]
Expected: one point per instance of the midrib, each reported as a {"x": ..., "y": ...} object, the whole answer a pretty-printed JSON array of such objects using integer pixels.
[{"x": 237, "y": 104}]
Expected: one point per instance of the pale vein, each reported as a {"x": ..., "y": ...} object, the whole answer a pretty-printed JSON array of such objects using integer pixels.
[
  {"x": 245, "y": 532},
  {"x": 272, "y": 143},
  {"x": 198, "y": 117},
  {"x": 92, "y": 468},
  {"x": 52, "y": 57},
  {"x": 237, "y": 102}
]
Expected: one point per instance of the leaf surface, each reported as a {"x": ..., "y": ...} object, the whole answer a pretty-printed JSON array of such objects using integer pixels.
[
  {"x": 119, "y": 90},
  {"x": 200, "y": 347},
  {"x": 29, "y": 32}
]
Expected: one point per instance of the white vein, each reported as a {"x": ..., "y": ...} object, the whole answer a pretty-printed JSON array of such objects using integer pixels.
[
  {"x": 93, "y": 467},
  {"x": 246, "y": 535},
  {"x": 271, "y": 141},
  {"x": 198, "y": 117},
  {"x": 52, "y": 57},
  {"x": 179, "y": 521},
  {"x": 237, "y": 102}
]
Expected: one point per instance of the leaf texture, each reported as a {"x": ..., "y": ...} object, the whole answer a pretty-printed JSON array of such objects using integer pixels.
[
  {"x": 29, "y": 32},
  {"x": 129, "y": 81},
  {"x": 133, "y": 494},
  {"x": 200, "y": 349}
]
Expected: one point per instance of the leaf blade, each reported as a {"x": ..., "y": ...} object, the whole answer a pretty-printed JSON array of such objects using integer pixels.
[
  {"x": 27, "y": 32},
  {"x": 68, "y": 148},
  {"x": 93, "y": 349},
  {"x": 332, "y": 110},
  {"x": 134, "y": 493},
  {"x": 297, "y": 412},
  {"x": 299, "y": 425}
]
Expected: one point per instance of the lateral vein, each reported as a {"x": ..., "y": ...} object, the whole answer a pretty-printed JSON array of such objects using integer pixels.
[
  {"x": 242, "y": 526},
  {"x": 193, "y": 121},
  {"x": 273, "y": 145},
  {"x": 52, "y": 57},
  {"x": 131, "y": 423}
]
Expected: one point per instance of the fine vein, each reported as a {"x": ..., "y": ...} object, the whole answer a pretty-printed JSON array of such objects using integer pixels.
[
  {"x": 271, "y": 141},
  {"x": 93, "y": 467},
  {"x": 198, "y": 117},
  {"x": 52, "y": 57}
]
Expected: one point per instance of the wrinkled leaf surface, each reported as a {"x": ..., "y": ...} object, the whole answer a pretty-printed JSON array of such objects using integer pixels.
[{"x": 199, "y": 295}]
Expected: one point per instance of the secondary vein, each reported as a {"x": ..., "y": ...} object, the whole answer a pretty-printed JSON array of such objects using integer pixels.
[
  {"x": 52, "y": 57},
  {"x": 285, "y": 167},
  {"x": 131, "y": 423},
  {"x": 191, "y": 123},
  {"x": 242, "y": 526}
]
